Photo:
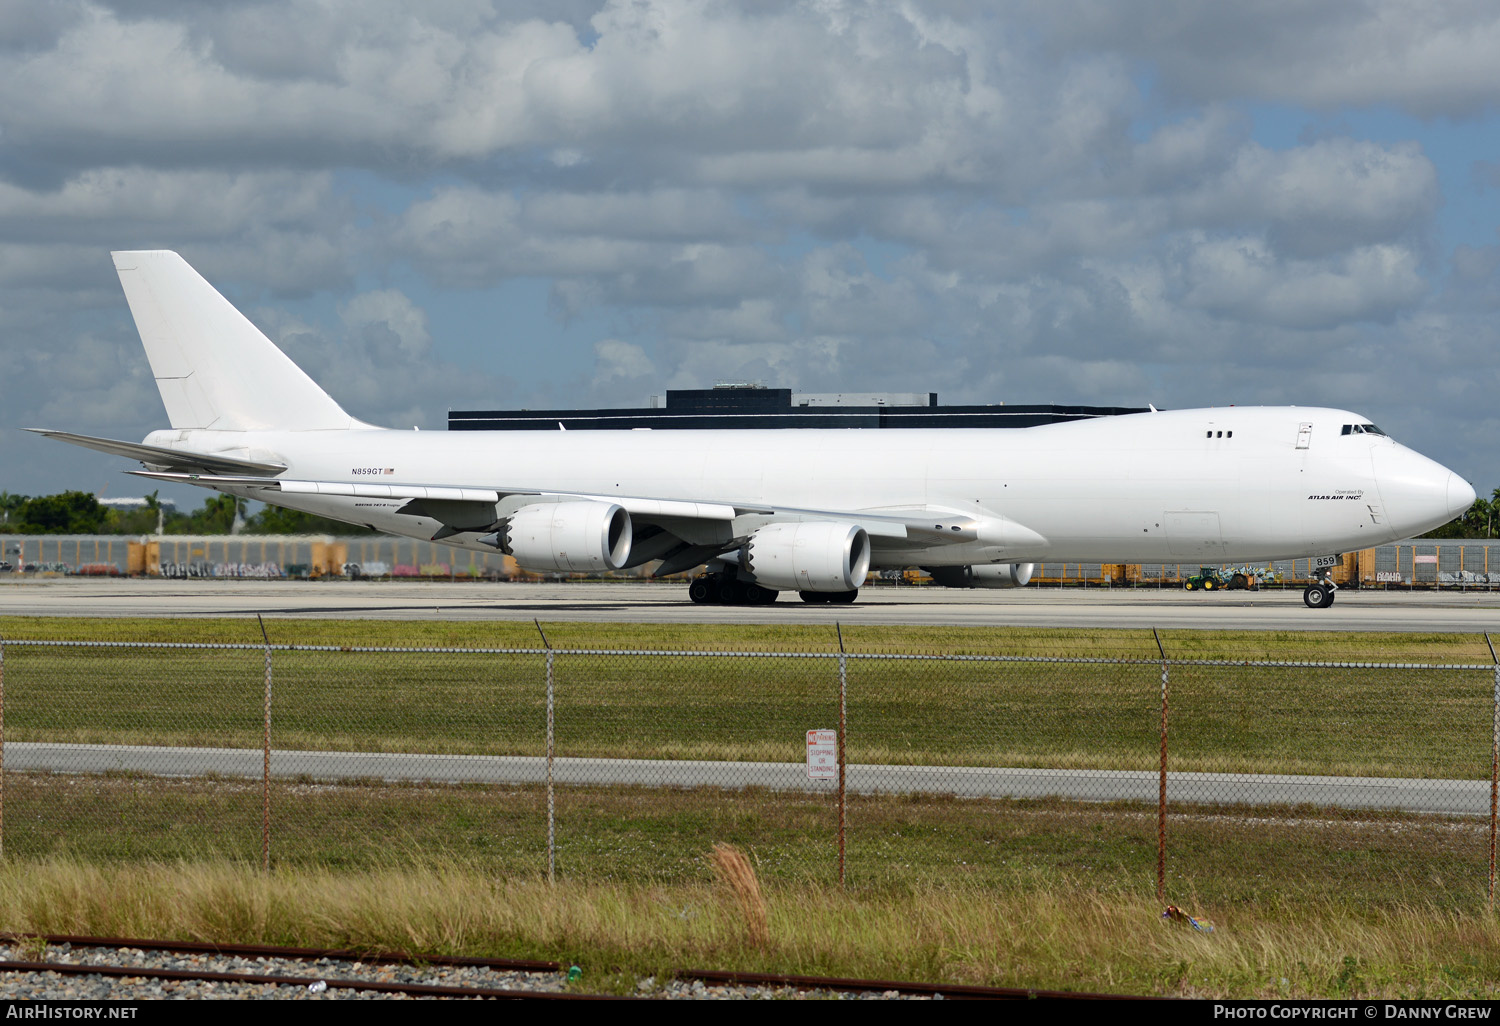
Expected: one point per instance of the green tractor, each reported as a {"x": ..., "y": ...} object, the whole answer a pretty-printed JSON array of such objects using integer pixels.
[{"x": 1211, "y": 578}]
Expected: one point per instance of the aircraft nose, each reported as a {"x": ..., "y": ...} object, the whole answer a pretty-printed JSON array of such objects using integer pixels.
[
  {"x": 1460, "y": 496},
  {"x": 1419, "y": 493}
]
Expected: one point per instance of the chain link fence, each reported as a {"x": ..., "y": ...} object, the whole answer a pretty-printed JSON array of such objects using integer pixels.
[{"x": 1195, "y": 779}]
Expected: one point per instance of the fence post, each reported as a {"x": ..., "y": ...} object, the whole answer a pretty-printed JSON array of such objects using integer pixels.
[
  {"x": 1494, "y": 767},
  {"x": 843, "y": 726},
  {"x": 265, "y": 773},
  {"x": 551, "y": 820},
  {"x": 1161, "y": 788}
]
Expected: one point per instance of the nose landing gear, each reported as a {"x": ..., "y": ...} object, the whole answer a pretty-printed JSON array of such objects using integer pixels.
[{"x": 1319, "y": 595}]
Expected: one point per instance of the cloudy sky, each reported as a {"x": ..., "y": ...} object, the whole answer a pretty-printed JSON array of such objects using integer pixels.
[{"x": 572, "y": 203}]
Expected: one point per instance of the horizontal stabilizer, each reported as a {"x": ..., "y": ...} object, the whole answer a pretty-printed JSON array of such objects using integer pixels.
[
  {"x": 366, "y": 491},
  {"x": 165, "y": 459}
]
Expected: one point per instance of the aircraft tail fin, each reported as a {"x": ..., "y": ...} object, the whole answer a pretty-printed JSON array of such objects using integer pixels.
[{"x": 213, "y": 367}]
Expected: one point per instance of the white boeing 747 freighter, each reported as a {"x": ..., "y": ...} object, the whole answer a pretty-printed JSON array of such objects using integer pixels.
[{"x": 805, "y": 510}]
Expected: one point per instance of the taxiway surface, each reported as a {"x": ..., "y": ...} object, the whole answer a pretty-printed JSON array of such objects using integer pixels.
[
  {"x": 635, "y": 602},
  {"x": 1460, "y": 797}
]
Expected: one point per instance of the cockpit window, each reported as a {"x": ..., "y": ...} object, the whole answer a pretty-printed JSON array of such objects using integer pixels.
[
  {"x": 1371, "y": 429},
  {"x": 1361, "y": 429}
]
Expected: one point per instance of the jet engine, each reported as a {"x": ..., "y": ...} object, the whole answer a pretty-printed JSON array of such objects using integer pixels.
[
  {"x": 1002, "y": 575},
  {"x": 580, "y": 536},
  {"x": 820, "y": 555}
]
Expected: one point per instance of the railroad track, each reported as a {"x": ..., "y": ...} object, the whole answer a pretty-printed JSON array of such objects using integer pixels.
[{"x": 540, "y": 980}]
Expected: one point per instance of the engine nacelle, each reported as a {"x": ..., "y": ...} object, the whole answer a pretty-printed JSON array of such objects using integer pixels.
[
  {"x": 989, "y": 575},
  {"x": 820, "y": 555},
  {"x": 574, "y": 537}
]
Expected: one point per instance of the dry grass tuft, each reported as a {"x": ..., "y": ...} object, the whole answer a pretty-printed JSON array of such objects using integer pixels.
[
  {"x": 735, "y": 873},
  {"x": 1062, "y": 934}
]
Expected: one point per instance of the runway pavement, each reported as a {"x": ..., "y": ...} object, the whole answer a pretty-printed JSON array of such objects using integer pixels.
[
  {"x": 1461, "y": 797},
  {"x": 637, "y": 602}
]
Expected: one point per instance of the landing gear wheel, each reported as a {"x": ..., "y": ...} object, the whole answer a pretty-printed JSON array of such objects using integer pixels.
[
  {"x": 732, "y": 593},
  {"x": 756, "y": 595},
  {"x": 1318, "y": 596},
  {"x": 703, "y": 591}
]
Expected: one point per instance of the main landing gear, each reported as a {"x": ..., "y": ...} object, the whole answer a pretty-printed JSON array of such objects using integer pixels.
[
  {"x": 725, "y": 590},
  {"x": 729, "y": 591}
]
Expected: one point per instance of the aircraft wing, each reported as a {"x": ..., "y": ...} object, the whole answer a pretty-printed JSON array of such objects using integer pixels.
[
  {"x": 166, "y": 459},
  {"x": 705, "y": 525}
]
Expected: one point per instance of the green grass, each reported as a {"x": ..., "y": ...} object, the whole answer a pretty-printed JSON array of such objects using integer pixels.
[
  {"x": 1221, "y": 857},
  {"x": 1432, "y": 723},
  {"x": 936, "y": 639}
]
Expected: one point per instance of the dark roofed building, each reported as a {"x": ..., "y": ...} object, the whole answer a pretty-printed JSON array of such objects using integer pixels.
[{"x": 743, "y": 406}]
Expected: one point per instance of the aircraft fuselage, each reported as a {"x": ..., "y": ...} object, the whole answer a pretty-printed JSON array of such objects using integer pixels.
[{"x": 1212, "y": 485}]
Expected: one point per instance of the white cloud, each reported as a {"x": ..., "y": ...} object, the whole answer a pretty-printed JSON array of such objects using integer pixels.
[
  {"x": 605, "y": 248},
  {"x": 1431, "y": 58},
  {"x": 288, "y": 232},
  {"x": 1324, "y": 197},
  {"x": 1243, "y": 278},
  {"x": 621, "y": 371},
  {"x": 379, "y": 362},
  {"x": 212, "y": 204},
  {"x": 390, "y": 311},
  {"x": 874, "y": 96},
  {"x": 751, "y": 320}
]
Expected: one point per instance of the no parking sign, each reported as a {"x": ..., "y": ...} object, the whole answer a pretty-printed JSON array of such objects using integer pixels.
[{"x": 822, "y": 754}]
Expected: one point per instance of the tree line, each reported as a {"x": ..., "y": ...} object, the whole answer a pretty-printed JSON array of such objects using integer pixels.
[
  {"x": 82, "y": 513},
  {"x": 1481, "y": 521}
]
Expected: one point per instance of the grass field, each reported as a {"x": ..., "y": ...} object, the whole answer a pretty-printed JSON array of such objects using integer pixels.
[
  {"x": 1225, "y": 857},
  {"x": 1433, "y": 723},
  {"x": 1330, "y": 646}
]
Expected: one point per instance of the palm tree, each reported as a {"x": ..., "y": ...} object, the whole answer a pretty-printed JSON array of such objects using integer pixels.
[
  {"x": 9, "y": 503},
  {"x": 153, "y": 505}
]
